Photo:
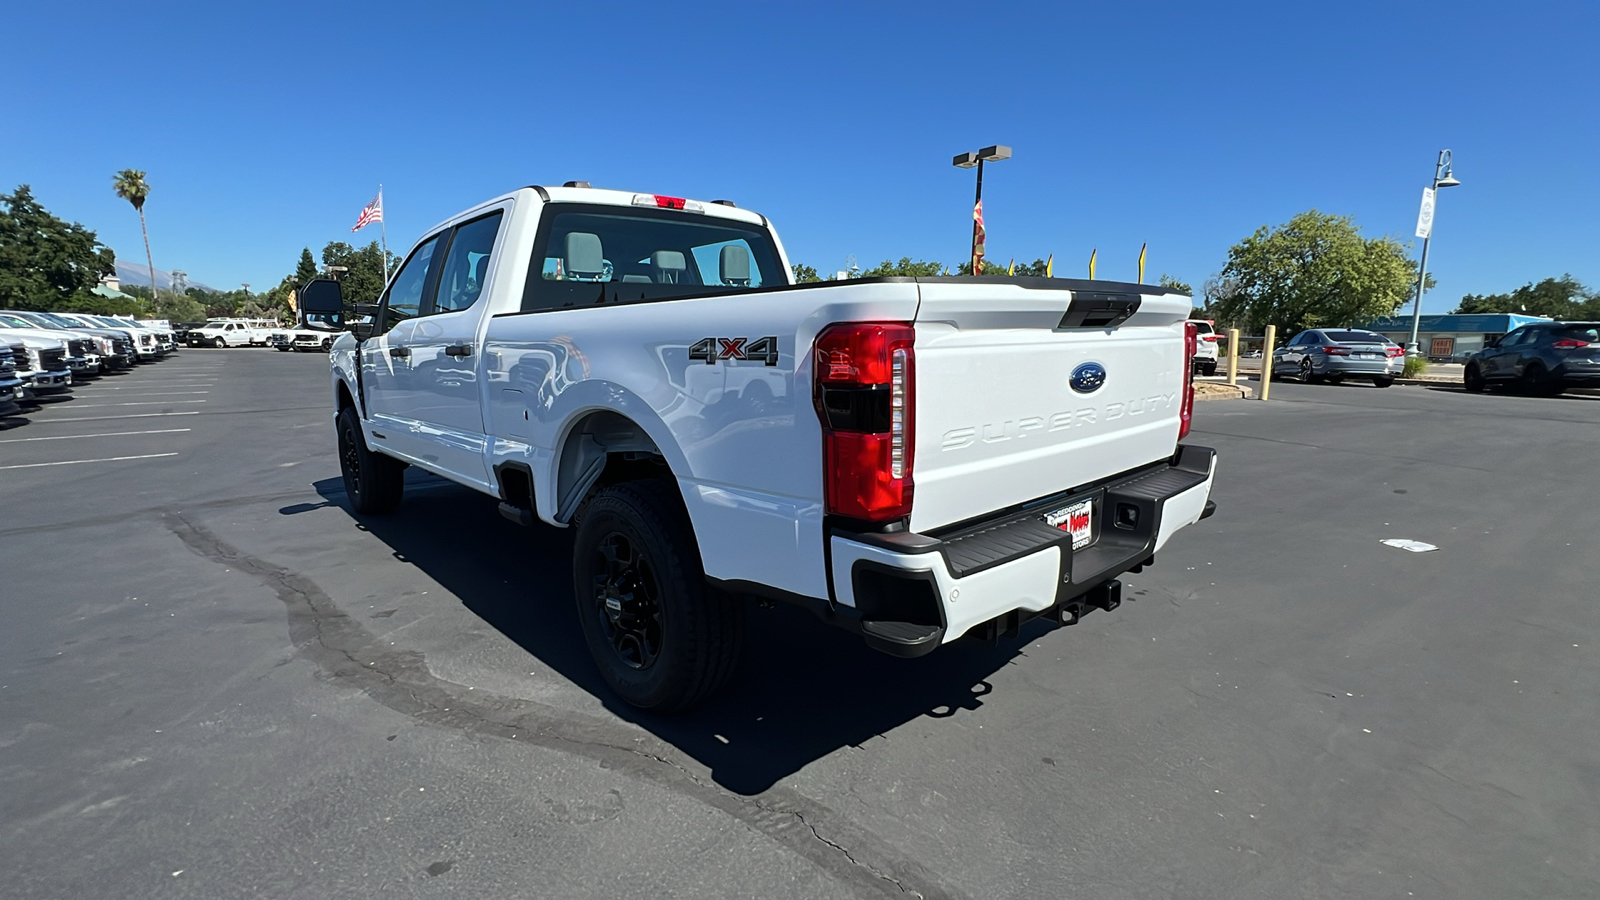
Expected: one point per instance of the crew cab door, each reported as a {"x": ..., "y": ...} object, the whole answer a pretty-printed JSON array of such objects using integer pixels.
[
  {"x": 440, "y": 381},
  {"x": 385, "y": 355}
]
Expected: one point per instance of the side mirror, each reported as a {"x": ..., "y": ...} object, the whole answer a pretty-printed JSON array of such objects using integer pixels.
[{"x": 323, "y": 297}]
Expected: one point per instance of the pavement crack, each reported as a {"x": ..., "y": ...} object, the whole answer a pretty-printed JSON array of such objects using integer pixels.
[{"x": 401, "y": 680}]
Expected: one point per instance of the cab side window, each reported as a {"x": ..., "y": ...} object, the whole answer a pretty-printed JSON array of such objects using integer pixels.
[
  {"x": 466, "y": 265},
  {"x": 407, "y": 292}
]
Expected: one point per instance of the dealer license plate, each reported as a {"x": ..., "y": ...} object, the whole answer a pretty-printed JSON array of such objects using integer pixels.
[{"x": 1078, "y": 519}]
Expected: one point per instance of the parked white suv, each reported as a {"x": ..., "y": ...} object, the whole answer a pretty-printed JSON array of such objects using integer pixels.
[{"x": 1206, "y": 349}]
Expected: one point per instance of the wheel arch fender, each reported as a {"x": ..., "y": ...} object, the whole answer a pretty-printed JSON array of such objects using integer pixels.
[{"x": 602, "y": 423}]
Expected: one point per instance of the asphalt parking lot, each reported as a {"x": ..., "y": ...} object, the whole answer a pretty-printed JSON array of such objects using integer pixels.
[{"x": 216, "y": 682}]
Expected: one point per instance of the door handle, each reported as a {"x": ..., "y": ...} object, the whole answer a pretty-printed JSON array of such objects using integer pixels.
[
  {"x": 460, "y": 351},
  {"x": 400, "y": 352}
]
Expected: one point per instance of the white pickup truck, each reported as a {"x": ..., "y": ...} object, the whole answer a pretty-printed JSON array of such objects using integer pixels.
[{"x": 913, "y": 459}]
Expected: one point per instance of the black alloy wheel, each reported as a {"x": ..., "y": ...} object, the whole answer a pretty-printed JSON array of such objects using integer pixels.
[
  {"x": 373, "y": 482},
  {"x": 327, "y": 344},
  {"x": 627, "y": 601},
  {"x": 662, "y": 637},
  {"x": 1538, "y": 381},
  {"x": 1472, "y": 380}
]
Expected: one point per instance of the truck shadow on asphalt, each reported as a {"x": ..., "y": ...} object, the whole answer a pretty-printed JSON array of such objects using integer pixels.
[{"x": 804, "y": 689}]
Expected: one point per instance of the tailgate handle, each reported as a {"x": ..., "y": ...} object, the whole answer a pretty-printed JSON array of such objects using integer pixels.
[{"x": 1099, "y": 309}]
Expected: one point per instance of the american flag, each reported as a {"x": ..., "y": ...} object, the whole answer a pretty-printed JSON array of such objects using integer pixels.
[
  {"x": 978, "y": 237},
  {"x": 372, "y": 213}
]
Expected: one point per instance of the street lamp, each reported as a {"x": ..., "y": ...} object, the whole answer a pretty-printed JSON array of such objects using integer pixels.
[
  {"x": 967, "y": 161},
  {"x": 1442, "y": 178}
]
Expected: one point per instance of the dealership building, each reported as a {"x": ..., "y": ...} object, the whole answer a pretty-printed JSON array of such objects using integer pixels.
[{"x": 1450, "y": 338}]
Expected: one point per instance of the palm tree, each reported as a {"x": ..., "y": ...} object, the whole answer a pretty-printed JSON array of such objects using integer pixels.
[{"x": 131, "y": 186}]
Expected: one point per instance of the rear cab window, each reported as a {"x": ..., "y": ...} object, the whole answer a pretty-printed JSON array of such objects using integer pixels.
[{"x": 591, "y": 254}]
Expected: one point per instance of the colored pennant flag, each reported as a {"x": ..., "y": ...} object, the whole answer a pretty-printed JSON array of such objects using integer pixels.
[
  {"x": 294, "y": 299},
  {"x": 1091, "y": 262},
  {"x": 1142, "y": 248},
  {"x": 1012, "y": 268},
  {"x": 1050, "y": 266},
  {"x": 373, "y": 212},
  {"x": 977, "y": 238}
]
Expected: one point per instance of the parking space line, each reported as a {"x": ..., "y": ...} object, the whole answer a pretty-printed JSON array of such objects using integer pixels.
[
  {"x": 192, "y": 412},
  {"x": 73, "y": 437},
  {"x": 135, "y": 403},
  {"x": 165, "y": 393},
  {"x": 135, "y": 387},
  {"x": 75, "y": 462}
]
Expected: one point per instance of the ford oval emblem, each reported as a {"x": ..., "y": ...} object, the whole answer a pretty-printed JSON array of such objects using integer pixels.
[{"x": 1087, "y": 377}]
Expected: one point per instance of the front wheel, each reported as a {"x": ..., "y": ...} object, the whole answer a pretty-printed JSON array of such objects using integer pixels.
[
  {"x": 1472, "y": 380},
  {"x": 662, "y": 638},
  {"x": 374, "y": 482},
  {"x": 327, "y": 344}
]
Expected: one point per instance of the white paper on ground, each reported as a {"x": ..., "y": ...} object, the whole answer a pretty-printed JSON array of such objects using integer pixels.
[{"x": 1413, "y": 546}]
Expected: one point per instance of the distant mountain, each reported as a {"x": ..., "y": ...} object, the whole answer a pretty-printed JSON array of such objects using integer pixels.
[{"x": 133, "y": 273}]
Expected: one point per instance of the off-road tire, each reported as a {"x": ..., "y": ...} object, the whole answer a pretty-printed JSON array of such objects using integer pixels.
[
  {"x": 700, "y": 629},
  {"x": 373, "y": 482}
]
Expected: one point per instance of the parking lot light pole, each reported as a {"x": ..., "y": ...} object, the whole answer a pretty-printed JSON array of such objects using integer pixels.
[
  {"x": 1442, "y": 178},
  {"x": 967, "y": 161}
]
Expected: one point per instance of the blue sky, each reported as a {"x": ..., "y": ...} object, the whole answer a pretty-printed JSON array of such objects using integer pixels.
[{"x": 265, "y": 127}]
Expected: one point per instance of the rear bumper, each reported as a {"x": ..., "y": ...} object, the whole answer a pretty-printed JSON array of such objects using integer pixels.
[
  {"x": 909, "y": 593},
  {"x": 1578, "y": 374},
  {"x": 1335, "y": 365}
]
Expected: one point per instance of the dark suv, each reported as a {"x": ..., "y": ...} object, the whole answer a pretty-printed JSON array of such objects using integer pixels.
[{"x": 1544, "y": 358}]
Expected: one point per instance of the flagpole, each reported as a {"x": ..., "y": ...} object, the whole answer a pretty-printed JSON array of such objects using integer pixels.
[{"x": 383, "y": 238}]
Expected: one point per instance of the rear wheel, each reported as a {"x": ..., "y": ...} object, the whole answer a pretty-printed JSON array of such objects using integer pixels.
[
  {"x": 373, "y": 481},
  {"x": 1308, "y": 375},
  {"x": 1538, "y": 381},
  {"x": 662, "y": 638},
  {"x": 1472, "y": 380},
  {"x": 1382, "y": 380}
]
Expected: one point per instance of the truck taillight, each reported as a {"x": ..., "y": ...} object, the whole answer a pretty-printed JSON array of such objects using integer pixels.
[
  {"x": 1186, "y": 408},
  {"x": 865, "y": 394}
]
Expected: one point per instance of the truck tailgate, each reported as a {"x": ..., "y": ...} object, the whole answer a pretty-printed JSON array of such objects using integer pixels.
[{"x": 997, "y": 419}]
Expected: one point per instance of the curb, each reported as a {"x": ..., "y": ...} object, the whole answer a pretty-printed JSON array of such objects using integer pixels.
[{"x": 1211, "y": 390}]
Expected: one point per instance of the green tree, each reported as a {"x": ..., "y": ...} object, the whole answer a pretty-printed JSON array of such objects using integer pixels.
[
  {"x": 1558, "y": 298},
  {"x": 906, "y": 268},
  {"x": 179, "y": 308},
  {"x": 804, "y": 274},
  {"x": 45, "y": 262},
  {"x": 131, "y": 186},
  {"x": 995, "y": 266},
  {"x": 307, "y": 269},
  {"x": 1171, "y": 283},
  {"x": 364, "y": 281},
  {"x": 1316, "y": 269}
]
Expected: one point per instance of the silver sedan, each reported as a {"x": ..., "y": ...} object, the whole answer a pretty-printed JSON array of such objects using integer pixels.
[{"x": 1334, "y": 354}]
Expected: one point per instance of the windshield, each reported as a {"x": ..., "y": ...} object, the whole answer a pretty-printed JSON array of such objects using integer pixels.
[
  {"x": 15, "y": 321},
  {"x": 1355, "y": 337},
  {"x": 1202, "y": 327},
  {"x": 58, "y": 321},
  {"x": 595, "y": 254}
]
